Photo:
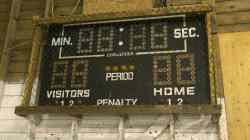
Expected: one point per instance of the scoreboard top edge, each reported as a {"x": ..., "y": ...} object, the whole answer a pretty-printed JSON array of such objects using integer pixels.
[{"x": 167, "y": 11}]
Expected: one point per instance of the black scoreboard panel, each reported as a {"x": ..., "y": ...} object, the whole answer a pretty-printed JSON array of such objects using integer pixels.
[{"x": 156, "y": 60}]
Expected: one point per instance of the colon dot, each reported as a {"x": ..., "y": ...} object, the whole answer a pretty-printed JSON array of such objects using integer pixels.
[{"x": 120, "y": 43}]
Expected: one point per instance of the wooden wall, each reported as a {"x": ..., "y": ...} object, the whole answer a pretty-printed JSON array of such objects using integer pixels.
[
  {"x": 235, "y": 56},
  {"x": 233, "y": 19},
  {"x": 232, "y": 16},
  {"x": 4, "y": 16},
  {"x": 102, "y": 6},
  {"x": 12, "y": 126}
]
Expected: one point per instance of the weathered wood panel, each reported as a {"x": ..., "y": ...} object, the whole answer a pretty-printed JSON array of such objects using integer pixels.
[
  {"x": 234, "y": 18},
  {"x": 31, "y": 5},
  {"x": 102, "y": 6},
  {"x": 230, "y": 6},
  {"x": 136, "y": 125},
  {"x": 233, "y": 28},
  {"x": 16, "y": 78},
  {"x": 235, "y": 52},
  {"x": 233, "y": 15},
  {"x": 21, "y": 54},
  {"x": 25, "y": 25},
  {"x": 185, "y": 2},
  {"x": 18, "y": 67},
  {"x": 4, "y": 7}
]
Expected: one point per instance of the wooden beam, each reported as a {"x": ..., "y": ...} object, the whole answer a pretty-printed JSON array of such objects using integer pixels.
[
  {"x": 9, "y": 40},
  {"x": 121, "y": 15},
  {"x": 118, "y": 110},
  {"x": 33, "y": 66}
]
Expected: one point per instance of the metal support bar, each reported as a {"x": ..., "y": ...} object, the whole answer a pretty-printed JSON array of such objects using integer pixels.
[
  {"x": 121, "y": 128},
  {"x": 172, "y": 127},
  {"x": 74, "y": 129},
  {"x": 33, "y": 121}
]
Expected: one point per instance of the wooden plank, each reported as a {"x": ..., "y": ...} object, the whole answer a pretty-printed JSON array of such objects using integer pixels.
[
  {"x": 235, "y": 58},
  {"x": 65, "y": 11},
  {"x": 21, "y": 54},
  {"x": 28, "y": 15},
  {"x": 232, "y": 6},
  {"x": 131, "y": 14},
  {"x": 23, "y": 25},
  {"x": 18, "y": 67},
  {"x": 108, "y": 6},
  {"x": 234, "y": 28},
  {"x": 33, "y": 65},
  {"x": 11, "y": 29},
  {"x": 2, "y": 30},
  {"x": 4, "y": 17},
  {"x": 4, "y": 7},
  {"x": 24, "y": 35},
  {"x": 31, "y": 5},
  {"x": 234, "y": 18},
  {"x": 64, "y": 3},
  {"x": 186, "y": 2},
  {"x": 16, "y": 78},
  {"x": 156, "y": 109}
]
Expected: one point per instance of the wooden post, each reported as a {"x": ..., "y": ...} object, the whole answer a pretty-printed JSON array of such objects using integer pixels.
[
  {"x": 9, "y": 40},
  {"x": 47, "y": 8},
  {"x": 37, "y": 38},
  {"x": 211, "y": 59}
]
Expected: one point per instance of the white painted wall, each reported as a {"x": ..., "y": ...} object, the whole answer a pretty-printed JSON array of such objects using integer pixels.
[{"x": 97, "y": 127}]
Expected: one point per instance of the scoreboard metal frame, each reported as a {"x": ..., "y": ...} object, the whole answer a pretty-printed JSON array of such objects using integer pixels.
[{"x": 39, "y": 35}]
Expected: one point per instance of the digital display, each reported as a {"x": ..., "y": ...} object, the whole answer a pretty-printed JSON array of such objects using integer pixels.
[{"x": 144, "y": 61}]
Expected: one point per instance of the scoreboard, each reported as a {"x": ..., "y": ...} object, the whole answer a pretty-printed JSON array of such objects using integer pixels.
[{"x": 139, "y": 61}]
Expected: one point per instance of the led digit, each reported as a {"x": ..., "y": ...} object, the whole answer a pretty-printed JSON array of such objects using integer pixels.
[
  {"x": 162, "y": 70},
  {"x": 137, "y": 37},
  {"x": 85, "y": 42},
  {"x": 185, "y": 68},
  {"x": 105, "y": 39},
  {"x": 79, "y": 74},
  {"x": 59, "y": 74},
  {"x": 159, "y": 35}
]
